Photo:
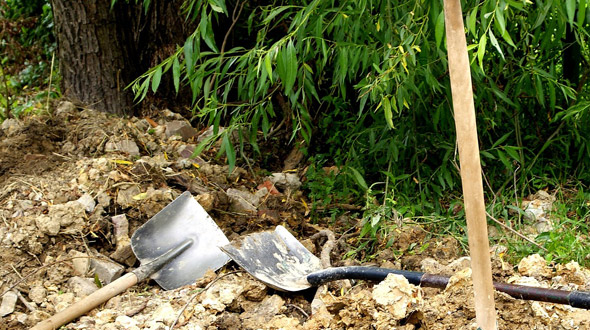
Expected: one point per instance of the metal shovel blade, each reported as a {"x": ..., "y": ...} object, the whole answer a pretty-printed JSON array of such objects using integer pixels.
[
  {"x": 275, "y": 258},
  {"x": 183, "y": 219}
]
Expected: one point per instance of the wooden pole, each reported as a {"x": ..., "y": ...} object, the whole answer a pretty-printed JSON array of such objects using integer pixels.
[{"x": 464, "y": 112}]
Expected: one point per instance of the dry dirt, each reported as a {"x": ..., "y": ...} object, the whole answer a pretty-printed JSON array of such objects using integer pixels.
[{"x": 64, "y": 177}]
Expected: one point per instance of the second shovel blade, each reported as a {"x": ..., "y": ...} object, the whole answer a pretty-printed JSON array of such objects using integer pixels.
[{"x": 276, "y": 258}]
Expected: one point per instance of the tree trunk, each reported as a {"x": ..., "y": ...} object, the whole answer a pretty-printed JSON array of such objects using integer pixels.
[{"x": 102, "y": 50}]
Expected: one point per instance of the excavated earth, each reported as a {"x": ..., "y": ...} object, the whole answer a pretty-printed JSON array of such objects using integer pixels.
[{"x": 74, "y": 185}]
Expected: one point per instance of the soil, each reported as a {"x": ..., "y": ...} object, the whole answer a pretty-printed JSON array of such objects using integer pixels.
[{"x": 64, "y": 176}]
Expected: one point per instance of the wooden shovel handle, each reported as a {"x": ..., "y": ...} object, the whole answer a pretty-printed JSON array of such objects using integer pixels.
[{"x": 88, "y": 303}]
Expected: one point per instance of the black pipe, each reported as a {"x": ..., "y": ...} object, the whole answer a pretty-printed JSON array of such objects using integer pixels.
[{"x": 579, "y": 299}]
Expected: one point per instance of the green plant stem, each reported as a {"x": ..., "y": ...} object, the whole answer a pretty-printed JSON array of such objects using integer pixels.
[{"x": 8, "y": 111}]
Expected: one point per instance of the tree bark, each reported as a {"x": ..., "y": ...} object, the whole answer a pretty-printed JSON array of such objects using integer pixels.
[
  {"x": 102, "y": 50},
  {"x": 91, "y": 53}
]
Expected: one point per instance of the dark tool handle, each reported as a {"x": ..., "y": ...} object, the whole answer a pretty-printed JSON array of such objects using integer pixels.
[{"x": 579, "y": 299}]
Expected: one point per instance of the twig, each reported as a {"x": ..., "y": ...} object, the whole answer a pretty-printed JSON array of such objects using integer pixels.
[
  {"x": 50, "y": 79},
  {"x": 299, "y": 309},
  {"x": 328, "y": 246},
  {"x": 515, "y": 232},
  {"x": 16, "y": 271},
  {"x": 516, "y": 194},
  {"x": 24, "y": 301},
  {"x": 136, "y": 310},
  {"x": 199, "y": 292}
]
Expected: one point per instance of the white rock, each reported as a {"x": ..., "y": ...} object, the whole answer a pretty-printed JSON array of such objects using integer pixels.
[
  {"x": 81, "y": 286},
  {"x": 107, "y": 271},
  {"x": 81, "y": 262},
  {"x": 37, "y": 294},
  {"x": 8, "y": 303},
  {"x": 534, "y": 266},
  {"x": 125, "y": 321},
  {"x": 395, "y": 293},
  {"x": 164, "y": 313},
  {"x": 285, "y": 181},
  {"x": 87, "y": 202}
]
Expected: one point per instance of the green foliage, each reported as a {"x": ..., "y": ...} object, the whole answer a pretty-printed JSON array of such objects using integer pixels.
[
  {"x": 27, "y": 45},
  {"x": 365, "y": 83}
]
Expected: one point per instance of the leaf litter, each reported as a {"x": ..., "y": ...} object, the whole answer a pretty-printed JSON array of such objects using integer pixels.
[{"x": 75, "y": 185}]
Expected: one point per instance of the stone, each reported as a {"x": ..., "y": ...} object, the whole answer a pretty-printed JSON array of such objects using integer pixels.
[
  {"x": 125, "y": 196},
  {"x": 81, "y": 263},
  {"x": 164, "y": 313},
  {"x": 120, "y": 226},
  {"x": 107, "y": 271},
  {"x": 8, "y": 303},
  {"x": 38, "y": 294},
  {"x": 126, "y": 146},
  {"x": 69, "y": 216},
  {"x": 82, "y": 286},
  {"x": 534, "y": 266},
  {"x": 184, "y": 163},
  {"x": 125, "y": 321},
  {"x": 47, "y": 225},
  {"x": 62, "y": 301},
  {"x": 106, "y": 316},
  {"x": 206, "y": 200},
  {"x": 87, "y": 202},
  {"x": 459, "y": 264},
  {"x": 263, "y": 313},
  {"x": 124, "y": 252},
  {"x": 396, "y": 295},
  {"x": 242, "y": 201},
  {"x": 65, "y": 108},
  {"x": 11, "y": 126},
  {"x": 285, "y": 181},
  {"x": 181, "y": 128},
  {"x": 255, "y": 290},
  {"x": 185, "y": 150}
]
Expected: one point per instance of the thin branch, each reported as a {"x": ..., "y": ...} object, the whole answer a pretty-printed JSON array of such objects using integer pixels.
[{"x": 515, "y": 232}]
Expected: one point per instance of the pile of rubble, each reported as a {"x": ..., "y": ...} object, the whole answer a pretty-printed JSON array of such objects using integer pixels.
[{"x": 74, "y": 187}]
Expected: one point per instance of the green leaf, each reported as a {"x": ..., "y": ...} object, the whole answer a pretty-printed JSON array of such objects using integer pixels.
[
  {"x": 188, "y": 55},
  {"x": 570, "y": 8},
  {"x": 502, "y": 139},
  {"x": 581, "y": 13},
  {"x": 358, "y": 178},
  {"x": 495, "y": 43},
  {"x": 439, "y": 28},
  {"x": 481, "y": 49},
  {"x": 539, "y": 89},
  {"x": 230, "y": 152},
  {"x": 387, "y": 110},
  {"x": 176, "y": 73},
  {"x": 471, "y": 21},
  {"x": 218, "y": 6},
  {"x": 268, "y": 66},
  {"x": 207, "y": 32},
  {"x": 500, "y": 19},
  {"x": 274, "y": 13},
  {"x": 156, "y": 78},
  {"x": 287, "y": 66},
  {"x": 97, "y": 281}
]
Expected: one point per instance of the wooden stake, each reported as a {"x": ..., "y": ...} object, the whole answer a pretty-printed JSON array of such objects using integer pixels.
[{"x": 464, "y": 111}]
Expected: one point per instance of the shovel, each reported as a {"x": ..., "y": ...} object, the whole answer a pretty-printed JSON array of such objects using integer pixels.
[
  {"x": 175, "y": 247},
  {"x": 280, "y": 261}
]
